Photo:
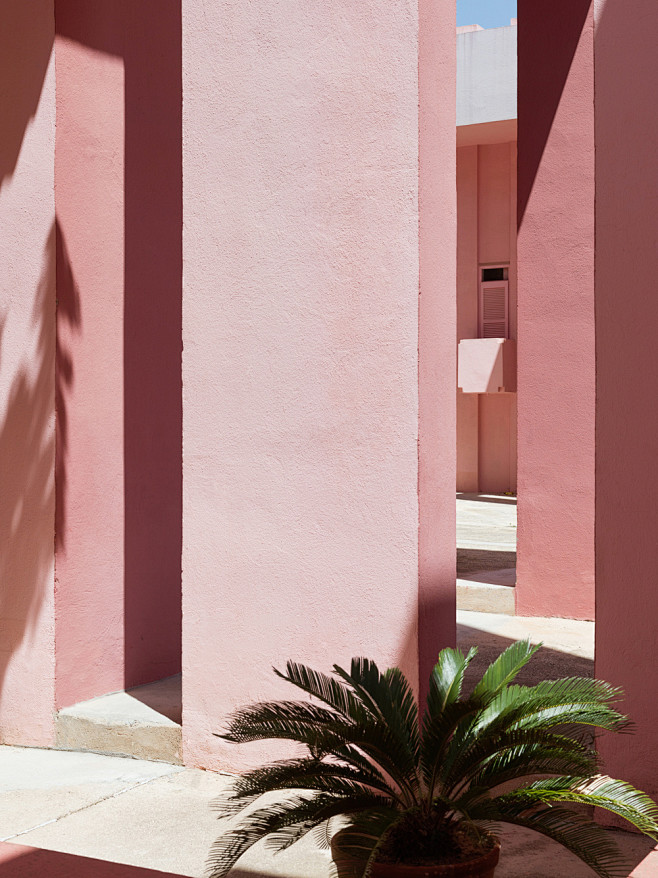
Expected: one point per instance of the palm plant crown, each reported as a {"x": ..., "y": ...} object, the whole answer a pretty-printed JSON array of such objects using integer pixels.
[{"x": 421, "y": 790}]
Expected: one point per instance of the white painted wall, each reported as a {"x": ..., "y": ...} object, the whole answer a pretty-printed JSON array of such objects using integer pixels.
[{"x": 486, "y": 75}]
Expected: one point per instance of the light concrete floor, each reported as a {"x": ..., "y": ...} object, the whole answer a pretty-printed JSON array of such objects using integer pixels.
[
  {"x": 486, "y": 553},
  {"x": 82, "y": 815},
  {"x": 486, "y": 532}
]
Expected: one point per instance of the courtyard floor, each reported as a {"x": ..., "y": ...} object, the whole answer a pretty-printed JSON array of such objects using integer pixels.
[{"x": 82, "y": 815}]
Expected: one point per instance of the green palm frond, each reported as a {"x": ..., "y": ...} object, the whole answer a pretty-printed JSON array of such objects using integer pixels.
[
  {"x": 574, "y": 831},
  {"x": 492, "y": 761},
  {"x": 298, "y": 721},
  {"x": 517, "y": 756},
  {"x": 616, "y": 796},
  {"x": 325, "y": 688},
  {"x": 296, "y": 817},
  {"x": 505, "y": 668},
  {"x": 447, "y": 679},
  {"x": 573, "y": 702},
  {"x": 302, "y": 774},
  {"x": 390, "y": 700}
]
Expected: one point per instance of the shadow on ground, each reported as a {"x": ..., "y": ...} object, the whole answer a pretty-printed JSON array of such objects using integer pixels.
[
  {"x": 474, "y": 560},
  {"x": 547, "y": 664},
  {"x": 487, "y": 498},
  {"x": 22, "y": 862}
]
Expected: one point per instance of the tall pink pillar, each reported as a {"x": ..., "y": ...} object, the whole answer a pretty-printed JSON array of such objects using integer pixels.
[
  {"x": 119, "y": 205},
  {"x": 627, "y": 377},
  {"x": 302, "y": 379},
  {"x": 437, "y": 323},
  {"x": 27, "y": 372},
  {"x": 556, "y": 349},
  {"x": 89, "y": 171}
]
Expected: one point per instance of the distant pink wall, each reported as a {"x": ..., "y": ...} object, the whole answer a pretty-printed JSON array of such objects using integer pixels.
[
  {"x": 556, "y": 360},
  {"x": 627, "y": 378},
  {"x": 486, "y": 198},
  {"x": 301, "y": 336},
  {"x": 27, "y": 372}
]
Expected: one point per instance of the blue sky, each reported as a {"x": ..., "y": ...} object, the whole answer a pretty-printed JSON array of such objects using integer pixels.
[{"x": 487, "y": 13}]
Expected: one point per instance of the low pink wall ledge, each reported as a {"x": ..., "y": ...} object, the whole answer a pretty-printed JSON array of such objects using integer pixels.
[{"x": 487, "y": 365}]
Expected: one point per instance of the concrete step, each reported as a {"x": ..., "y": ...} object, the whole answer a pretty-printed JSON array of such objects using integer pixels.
[
  {"x": 144, "y": 722},
  {"x": 488, "y": 591}
]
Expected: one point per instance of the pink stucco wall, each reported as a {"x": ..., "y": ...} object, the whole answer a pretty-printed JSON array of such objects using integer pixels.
[
  {"x": 437, "y": 320},
  {"x": 301, "y": 336},
  {"x": 627, "y": 378},
  {"x": 118, "y": 172},
  {"x": 556, "y": 359},
  {"x": 27, "y": 373},
  {"x": 89, "y": 171},
  {"x": 486, "y": 199}
]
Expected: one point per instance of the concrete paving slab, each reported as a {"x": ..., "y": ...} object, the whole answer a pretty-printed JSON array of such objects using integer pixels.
[
  {"x": 166, "y": 824},
  {"x": 135, "y": 723},
  {"x": 485, "y": 597},
  {"x": 486, "y": 521},
  {"x": 41, "y": 786}
]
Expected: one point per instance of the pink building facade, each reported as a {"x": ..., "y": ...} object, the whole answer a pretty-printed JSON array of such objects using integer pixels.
[
  {"x": 486, "y": 259},
  {"x": 228, "y": 337}
]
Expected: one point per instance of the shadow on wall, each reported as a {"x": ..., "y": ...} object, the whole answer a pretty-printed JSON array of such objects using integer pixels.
[
  {"x": 27, "y": 456},
  {"x": 25, "y": 48},
  {"x": 556, "y": 53},
  {"x": 69, "y": 319},
  {"x": 27, "y": 450},
  {"x": 147, "y": 36}
]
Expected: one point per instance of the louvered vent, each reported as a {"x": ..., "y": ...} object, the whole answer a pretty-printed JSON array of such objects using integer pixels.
[{"x": 493, "y": 309}]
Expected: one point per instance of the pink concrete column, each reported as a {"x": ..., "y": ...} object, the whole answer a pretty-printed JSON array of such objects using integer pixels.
[
  {"x": 556, "y": 357},
  {"x": 119, "y": 204},
  {"x": 27, "y": 372},
  {"x": 437, "y": 316},
  {"x": 301, "y": 345},
  {"x": 627, "y": 377},
  {"x": 89, "y": 170}
]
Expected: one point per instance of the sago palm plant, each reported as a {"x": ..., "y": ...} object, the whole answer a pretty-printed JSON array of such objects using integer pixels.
[{"x": 426, "y": 789}]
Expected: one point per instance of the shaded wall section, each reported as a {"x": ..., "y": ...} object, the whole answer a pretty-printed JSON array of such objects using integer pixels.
[
  {"x": 27, "y": 369},
  {"x": 301, "y": 349},
  {"x": 627, "y": 378},
  {"x": 119, "y": 203},
  {"x": 437, "y": 319},
  {"x": 556, "y": 358}
]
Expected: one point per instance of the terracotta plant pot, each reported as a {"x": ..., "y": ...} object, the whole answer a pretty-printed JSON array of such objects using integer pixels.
[{"x": 481, "y": 867}]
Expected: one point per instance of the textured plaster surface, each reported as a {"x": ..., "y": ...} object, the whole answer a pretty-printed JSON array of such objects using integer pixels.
[
  {"x": 118, "y": 170},
  {"x": 486, "y": 76},
  {"x": 486, "y": 216},
  {"x": 300, "y": 347},
  {"x": 90, "y": 527},
  {"x": 437, "y": 317},
  {"x": 556, "y": 357},
  {"x": 27, "y": 370},
  {"x": 626, "y": 322}
]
